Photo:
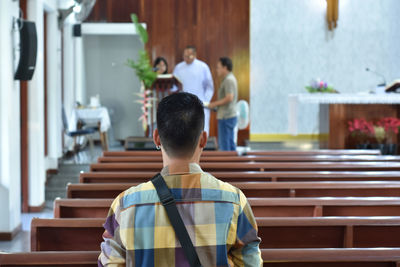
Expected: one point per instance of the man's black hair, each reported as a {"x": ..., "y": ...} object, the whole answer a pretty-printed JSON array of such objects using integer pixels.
[
  {"x": 191, "y": 47},
  {"x": 180, "y": 122},
  {"x": 226, "y": 62}
]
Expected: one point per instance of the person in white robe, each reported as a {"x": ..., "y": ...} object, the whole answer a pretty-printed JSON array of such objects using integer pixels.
[{"x": 195, "y": 76}]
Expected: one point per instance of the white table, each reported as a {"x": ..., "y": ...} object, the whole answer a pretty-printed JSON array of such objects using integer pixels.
[{"x": 92, "y": 116}]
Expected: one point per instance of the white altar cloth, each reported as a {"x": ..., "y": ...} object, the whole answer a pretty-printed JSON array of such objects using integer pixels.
[{"x": 90, "y": 115}]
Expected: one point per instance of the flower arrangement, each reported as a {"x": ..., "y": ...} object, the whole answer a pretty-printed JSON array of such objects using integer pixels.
[
  {"x": 381, "y": 131},
  {"x": 390, "y": 126},
  {"x": 145, "y": 100},
  {"x": 319, "y": 86},
  {"x": 361, "y": 129}
]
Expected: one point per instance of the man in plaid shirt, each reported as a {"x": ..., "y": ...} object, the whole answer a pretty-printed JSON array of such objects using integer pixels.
[{"x": 217, "y": 216}]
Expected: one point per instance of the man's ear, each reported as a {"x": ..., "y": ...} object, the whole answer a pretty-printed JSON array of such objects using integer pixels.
[
  {"x": 203, "y": 139},
  {"x": 156, "y": 138}
]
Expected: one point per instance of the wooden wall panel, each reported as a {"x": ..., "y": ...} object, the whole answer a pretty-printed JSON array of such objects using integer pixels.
[{"x": 216, "y": 28}]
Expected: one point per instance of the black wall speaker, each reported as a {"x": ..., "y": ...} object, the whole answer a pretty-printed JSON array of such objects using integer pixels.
[{"x": 28, "y": 51}]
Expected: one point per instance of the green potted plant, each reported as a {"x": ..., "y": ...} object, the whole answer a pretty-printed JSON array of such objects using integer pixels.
[{"x": 145, "y": 73}]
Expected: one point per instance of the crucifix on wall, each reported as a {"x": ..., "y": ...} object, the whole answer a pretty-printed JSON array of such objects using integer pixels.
[{"x": 332, "y": 13}]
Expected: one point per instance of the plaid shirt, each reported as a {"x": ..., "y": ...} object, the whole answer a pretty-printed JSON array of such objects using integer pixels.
[{"x": 217, "y": 216}]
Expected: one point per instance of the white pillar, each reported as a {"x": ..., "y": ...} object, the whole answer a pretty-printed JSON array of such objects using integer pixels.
[
  {"x": 69, "y": 73},
  {"x": 36, "y": 157},
  {"x": 54, "y": 123},
  {"x": 10, "y": 160},
  {"x": 79, "y": 61}
]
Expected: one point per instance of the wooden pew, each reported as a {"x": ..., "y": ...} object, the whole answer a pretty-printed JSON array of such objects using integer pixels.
[
  {"x": 367, "y": 257},
  {"x": 316, "y": 152},
  {"x": 144, "y": 153},
  {"x": 277, "y": 233},
  {"x": 256, "y": 153},
  {"x": 66, "y": 234},
  {"x": 380, "y": 257},
  {"x": 250, "y": 176},
  {"x": 268, "y": 158},
  {"x": 255, "y": 166},
  {"x": 262, "y": 207},
  {"x": 53, "y": 258},
  {"x": 263, "y": 189}
]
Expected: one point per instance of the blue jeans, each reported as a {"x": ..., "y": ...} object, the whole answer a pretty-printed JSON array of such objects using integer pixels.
[{"x": 226, "y": 128}]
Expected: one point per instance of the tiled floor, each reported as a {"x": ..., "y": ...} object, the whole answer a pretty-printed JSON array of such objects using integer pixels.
[{"x": 21, "y": 242}]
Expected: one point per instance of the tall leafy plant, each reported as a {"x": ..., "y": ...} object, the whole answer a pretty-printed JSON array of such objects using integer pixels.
[
  {"x": 142, "y": 66},
  {"x": 145, "y": 73}
]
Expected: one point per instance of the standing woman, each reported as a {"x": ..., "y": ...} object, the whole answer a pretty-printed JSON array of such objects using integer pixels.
[
  {"x": 226, "y": 105},
  {"x": 160, "y": 65}
]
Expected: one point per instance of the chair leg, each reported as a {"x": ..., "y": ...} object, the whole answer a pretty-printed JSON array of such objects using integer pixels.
[
  {"x": 74, "y": 145},
  {"x": 91, "y": 143}
]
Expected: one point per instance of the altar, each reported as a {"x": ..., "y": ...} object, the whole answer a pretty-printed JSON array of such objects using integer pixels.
[{"x": 335, "y": 110}]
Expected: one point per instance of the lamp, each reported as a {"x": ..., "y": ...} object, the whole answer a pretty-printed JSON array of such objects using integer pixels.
[{"x": 332, "y": 13}]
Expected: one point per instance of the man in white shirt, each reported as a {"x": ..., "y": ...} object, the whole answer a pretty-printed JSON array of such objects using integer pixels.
[{"x": 196, "y": 78}]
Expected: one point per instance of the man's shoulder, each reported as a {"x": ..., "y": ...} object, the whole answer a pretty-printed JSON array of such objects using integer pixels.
[
  {"x": 229, "y": 192},
  {"x": 202, "y": 63},
  {"x": 231, "y": 78},
  {"x": 140, "y": 194},
  {"x": 179, "y": 66}
]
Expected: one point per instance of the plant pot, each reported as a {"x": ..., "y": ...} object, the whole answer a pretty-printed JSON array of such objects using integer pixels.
[
  {"x": 362, "y": 146},
  {"x": 381, "y": 147}
]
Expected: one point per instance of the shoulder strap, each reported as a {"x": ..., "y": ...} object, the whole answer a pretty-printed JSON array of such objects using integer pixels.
[{"x": 168, "y": 201}]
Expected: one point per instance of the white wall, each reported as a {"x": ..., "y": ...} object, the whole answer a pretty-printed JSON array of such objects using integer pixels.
[
  {"x": 290, "y": 45},
  {"x": 10, "y": 175}
]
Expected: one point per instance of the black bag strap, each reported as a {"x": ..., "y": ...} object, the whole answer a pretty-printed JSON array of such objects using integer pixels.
[{"x": 168, "y": 201}]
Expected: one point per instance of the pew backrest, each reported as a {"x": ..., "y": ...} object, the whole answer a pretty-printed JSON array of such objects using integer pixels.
[
  {"x": 250, "y": 176},
  {"x": 262, "y": 207},
  {"x": 381, "y": 257},
  {"x": 262, "y": 189},
  {"x": 257, "y": 153},
  {"x": 66, "y": 234},
  {"x": 53, "y": 258},
  {"x": 267, "y": 158},
  {"x": 255, "y": 166},
  {"x": 275, "y": 232}
]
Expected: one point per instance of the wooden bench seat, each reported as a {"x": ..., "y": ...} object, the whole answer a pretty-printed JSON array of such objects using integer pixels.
[
  {"x": 256, "y": 166},
  {"x": 368, "y": 257},
  {"x": 315, "y": 152},
  {"x": 262, "y": 207},
  {"x": 257, "y": 153},
  {"x": 331, "y": 257},
  {"x": 53, "y": 259},
  {"x": 66, "y": 234},
  {"x": 300, "y": 232},
  {"x": 263, "y": 189},
  {"x": 250, "y": 176},
  {"x": 267, "y": 158},
  {"x": 152, "y": 153}
]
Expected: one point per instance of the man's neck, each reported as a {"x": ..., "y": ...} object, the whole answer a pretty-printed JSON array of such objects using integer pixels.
[
  {"x": 226, "y": 75},
  {"x": 177, "y": 165}
]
